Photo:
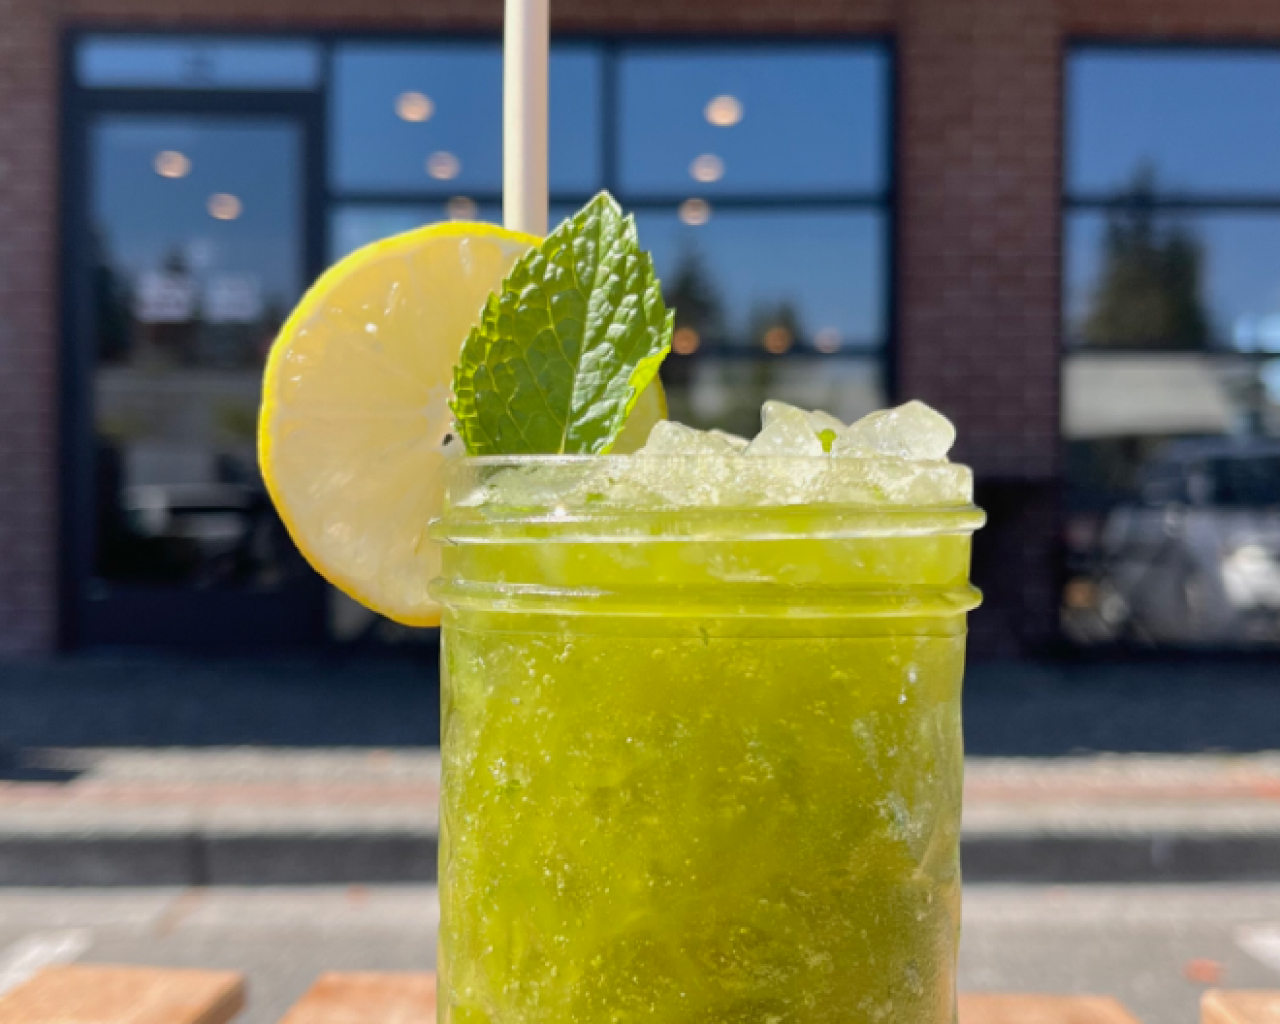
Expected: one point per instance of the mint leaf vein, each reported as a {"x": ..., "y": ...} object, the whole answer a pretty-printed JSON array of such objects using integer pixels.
[{"x": 561, "y": 354}]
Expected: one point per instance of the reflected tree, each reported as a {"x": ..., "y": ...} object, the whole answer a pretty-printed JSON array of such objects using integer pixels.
[
  {"x": 775, "y": 327},
  {"x": 694, "y": 295},
  {"x": 692, "y": 292},
  {"x": 1150, "y": 291},
  {"x": 110, "y": 301}
]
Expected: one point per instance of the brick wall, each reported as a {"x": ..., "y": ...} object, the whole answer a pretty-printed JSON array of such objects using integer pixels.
[
  {"x": 978, "y": 272},
  {"x": 652, "y": 16},
  {"x": 28, "y": 342},
  {"x": 980, "y": 96},
  {"x": 1220, "y": 19}
]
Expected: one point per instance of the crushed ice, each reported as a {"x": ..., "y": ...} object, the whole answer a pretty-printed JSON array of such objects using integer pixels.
[{"x": 895, "y": 456}]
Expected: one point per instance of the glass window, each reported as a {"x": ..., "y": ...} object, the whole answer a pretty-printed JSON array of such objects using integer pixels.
[
  {"x": 787, "y": 121},
  {"x": 139, "y": 62},
  {"x": 1206, "y": 122},
  {"x": 196, "y": 229},
  {"x": 428, "y": 119},
  {"x": 1145, "y": 278},
  {"x": 757, "y": 175},
  {"x": 820, "y": 272},
  {"x": 1171, "y": 389}
]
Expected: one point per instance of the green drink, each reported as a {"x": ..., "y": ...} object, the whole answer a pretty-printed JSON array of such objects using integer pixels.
[{"x": 702, "y": 752}]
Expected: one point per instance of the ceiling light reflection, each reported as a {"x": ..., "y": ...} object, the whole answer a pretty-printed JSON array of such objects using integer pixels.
[
  {"x": 415, "y": 107},
  {"x": 707, "y": 168},
  {"x": 172, "y": 164},
  {"x": 723, "y": 111},
  {"x": 695, "y": 212},
  {"x": 461, "y": 208},
  {"x": 224, "y": 206},
  {"x": 685, "y": 341},
  {"x": 443, "y": 166},
  {"x": 827, "y": 340},
  {"x": 778, "y": 340}
]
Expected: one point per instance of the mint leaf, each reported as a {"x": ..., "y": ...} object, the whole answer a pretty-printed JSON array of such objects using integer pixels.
[{"x": 561, "y": 355}]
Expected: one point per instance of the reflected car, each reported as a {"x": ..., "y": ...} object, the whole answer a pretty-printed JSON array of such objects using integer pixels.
[{"x": 1195, "y": 560}]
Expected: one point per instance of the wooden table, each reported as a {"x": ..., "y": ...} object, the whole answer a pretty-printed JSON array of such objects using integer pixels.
[{"x": 146, "y": 995}]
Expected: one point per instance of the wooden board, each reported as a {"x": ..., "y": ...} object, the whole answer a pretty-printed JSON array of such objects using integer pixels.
[
  {"x": 367, "y": 999},
  {"x": 990, "y": 1008},
  {"x": 79, "y": 994},
  {"x": 1219, "y": 1007}
]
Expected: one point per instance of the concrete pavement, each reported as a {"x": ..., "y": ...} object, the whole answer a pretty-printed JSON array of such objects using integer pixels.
[
  {"x": 153, "y": 769},
  {"x": 1156, "y": 948},
  {"x": 272, "y": 816},
  {"x": 1182, "y": 705}
]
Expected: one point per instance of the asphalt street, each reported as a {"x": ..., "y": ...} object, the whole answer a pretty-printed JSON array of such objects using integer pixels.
[
  {"x": 1154, "y": 947},
  {"x": 1173, "y": 705}
]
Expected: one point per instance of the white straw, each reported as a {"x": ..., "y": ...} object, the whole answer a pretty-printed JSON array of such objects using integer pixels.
[{"x": 524, "y": 117}]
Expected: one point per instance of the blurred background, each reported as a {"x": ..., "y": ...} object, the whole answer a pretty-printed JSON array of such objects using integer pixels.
[
  {"x": 1058, "y": 221},
  {"x": 1079, "y": 264}
]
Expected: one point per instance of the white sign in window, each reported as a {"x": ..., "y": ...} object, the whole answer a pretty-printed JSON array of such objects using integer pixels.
[
  {"x": 164, "y": 298},
  {"x": 233, "y": 299}
]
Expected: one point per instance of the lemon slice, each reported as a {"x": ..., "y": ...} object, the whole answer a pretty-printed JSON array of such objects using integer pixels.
[
  {"x": 650, "y": 407},
  {"x": 355, "y": 407}
]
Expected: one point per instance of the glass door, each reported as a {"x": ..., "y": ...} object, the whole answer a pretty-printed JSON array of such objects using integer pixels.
[{"x": 193, "y": 250}]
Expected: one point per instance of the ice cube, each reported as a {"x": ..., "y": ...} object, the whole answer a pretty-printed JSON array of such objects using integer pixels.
[
  {"x": 912, "y": 431},
  {"x": 826, "y": 428},
  {"x": 786, "y": 432},
  {"x": 824, "y": 421},
  {"x": 668, "y": 438},
  {"x": 732, "y": 440},
  {"x": 773, "y": 410}
]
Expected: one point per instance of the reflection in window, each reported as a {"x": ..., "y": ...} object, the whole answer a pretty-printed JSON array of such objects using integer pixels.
[
  {"x": 1171, "y": 394},
  {"x": 141, "y": 62},
  {"x": 762, "y": 300},
  {"x": 427, "y": 119},
  {"x": 758, "y": 176},
  {"x": 1201, "y": 123},
  {"x": 196, "y": 230},
  {"x": 786, "y": 121},
  {"x": 818, "y": 274},
  {"x": 1143, "y": 277}
]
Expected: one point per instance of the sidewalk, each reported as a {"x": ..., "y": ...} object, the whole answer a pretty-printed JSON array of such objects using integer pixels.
[
  {"x": 152, "y": 769},
  {"x": 287, "y": 816}
]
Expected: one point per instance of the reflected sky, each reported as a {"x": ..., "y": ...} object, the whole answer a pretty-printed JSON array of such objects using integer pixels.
[
  {"x": 372, "y": 148},
  {"x": 811, "y": 120},
  {"x": 1241, "y": 283},
  {"x": 830, "y": 264},
  {"x": 198, "y": 62},
  {"x": 146, "y": 217},
  {"x": 1204, "y": 122}
]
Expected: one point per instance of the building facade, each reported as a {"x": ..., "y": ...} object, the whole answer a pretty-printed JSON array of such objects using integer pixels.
[{"x": 954, "y": 208}]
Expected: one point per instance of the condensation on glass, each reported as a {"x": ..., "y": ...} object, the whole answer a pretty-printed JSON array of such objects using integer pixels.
[{"x": 1171, "y": 376}]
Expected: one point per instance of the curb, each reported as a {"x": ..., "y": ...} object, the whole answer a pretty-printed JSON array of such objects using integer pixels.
[
  {"x": 1066, "y": 859},
  {"x": 185, "y": 858},
  {"x": 206, "y": 859}
]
